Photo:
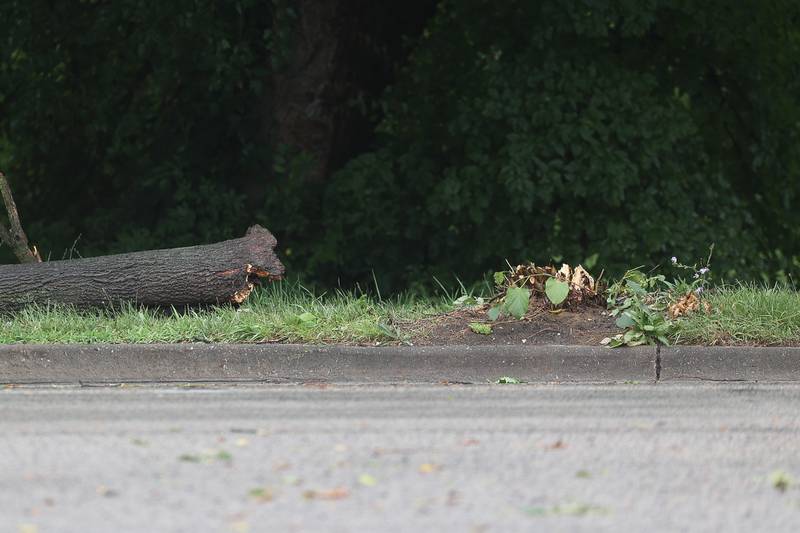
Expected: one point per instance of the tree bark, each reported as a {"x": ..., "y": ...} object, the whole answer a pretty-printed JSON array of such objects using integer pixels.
[
  {"x": 210, "y": 274},
  {"x": 305, "y": 91},
  {"x": 14, "y": 236}
]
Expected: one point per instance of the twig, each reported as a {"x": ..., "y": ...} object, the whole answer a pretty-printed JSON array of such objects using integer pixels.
[{"x": 15, "y": 237}]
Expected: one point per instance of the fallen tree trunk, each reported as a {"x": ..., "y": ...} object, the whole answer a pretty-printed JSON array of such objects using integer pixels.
[{"x": 210, "y": 274}]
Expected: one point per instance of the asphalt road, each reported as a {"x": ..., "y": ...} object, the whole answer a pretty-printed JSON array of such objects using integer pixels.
[{"x": 638, "y": 457}]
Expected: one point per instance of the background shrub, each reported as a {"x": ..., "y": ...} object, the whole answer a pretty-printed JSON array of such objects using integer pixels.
[
  {"x": 559, "y": 130},
  {"x": 461, "y": 133}
]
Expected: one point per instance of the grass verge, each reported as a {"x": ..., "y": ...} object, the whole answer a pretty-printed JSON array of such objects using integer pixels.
[
  {"x": 280, "y": 312},
  {"x": 287, "y": 312},
  {"x": 745, "y": 315}
]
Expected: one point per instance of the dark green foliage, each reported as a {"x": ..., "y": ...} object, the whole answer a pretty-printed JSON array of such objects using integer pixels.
[
  {"x": 555, "y": 129},
  {"x": 133, "y": 123},
  {"x": 560, "y": 129},
  {"x": 141, "y": 123}
]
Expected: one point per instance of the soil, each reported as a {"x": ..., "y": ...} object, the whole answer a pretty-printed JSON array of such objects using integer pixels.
[{"x": 587, "y": 325}]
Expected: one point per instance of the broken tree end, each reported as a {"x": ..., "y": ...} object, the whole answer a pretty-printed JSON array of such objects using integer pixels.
[{"x": 259, "y": 230}]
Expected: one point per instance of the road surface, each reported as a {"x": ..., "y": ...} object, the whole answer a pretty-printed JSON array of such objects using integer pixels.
[{"x": 250, "y": 458}]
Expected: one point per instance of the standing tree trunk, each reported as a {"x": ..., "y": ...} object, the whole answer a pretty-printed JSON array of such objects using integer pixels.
[
  {"x": 210, "y": 274},
  {"x": 335, "y": 53},
  {"x": 13, "y": 236},
  {"x": 305, "y": 89}
]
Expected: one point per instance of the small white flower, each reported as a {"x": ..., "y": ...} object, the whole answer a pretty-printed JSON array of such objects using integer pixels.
[
  {"x": 704, "y": 270},
  {"x": 674, "y": 259},
  {"x": 698, "y": 290}
]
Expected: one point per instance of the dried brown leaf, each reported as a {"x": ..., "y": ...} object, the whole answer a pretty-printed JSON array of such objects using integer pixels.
[
  {"x": 339, "y": 493},
  {"x": 686, "y": 304}
]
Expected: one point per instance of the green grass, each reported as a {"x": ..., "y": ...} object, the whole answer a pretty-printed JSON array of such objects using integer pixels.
[
  {"x": 281, "y": 312},
  {"x": 745, "y": 314},
  {"x": 286, "y": 312}
]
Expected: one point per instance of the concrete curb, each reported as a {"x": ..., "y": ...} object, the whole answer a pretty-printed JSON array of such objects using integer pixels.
[
  {"x": 131, "y": 363},
  {"x": 25, "y": 364},
  {"x": 729, "y": 363}
]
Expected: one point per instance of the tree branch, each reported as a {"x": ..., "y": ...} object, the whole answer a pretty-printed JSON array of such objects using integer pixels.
[{"x": 15, "y": 237}]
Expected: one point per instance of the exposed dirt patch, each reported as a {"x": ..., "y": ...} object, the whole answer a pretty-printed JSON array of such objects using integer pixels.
[{"x": 586, "y": 326}]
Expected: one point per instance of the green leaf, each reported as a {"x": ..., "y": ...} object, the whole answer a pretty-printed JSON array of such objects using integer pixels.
[
  {"x": 261, "y": 493},
  {"x": 494, "y": 313},
  {"x": 635, "y": 288},
  {"x": 367, "y": 480},
  {"x": 625, "y": 321},
  {"x": 307, "y": 318},
  {"x": 481, "y": 329},
  {"x": 781, "y": 480},
  {"x": 467, "y": 300},
  {"x": 499, "y": 278},
  {"x": 506, "y": 380},
  {"x": 556, "y": 290},
  {"x": 392, "y": 332},
  {"x": 516, "y": 301},
  {"x": 590, "y": 262},
  {"x": 616, "y": 342},
  {"x": 634, "y": 338}
]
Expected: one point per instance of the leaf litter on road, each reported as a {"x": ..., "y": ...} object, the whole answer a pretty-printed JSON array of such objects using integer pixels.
[
  {"x": 427, "y": 468},
  {"x": 367, "y": 480},
  {"x": 568, "y": 509},
  {"x": 557, "y": 445},
  {"x": 262, "y": 494},
  {"x": 338, "y": 493},
  {"x": 780, "y": 480},
  {"x": 207, "y": 457},
  {"x": 290, "y": 479}
]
